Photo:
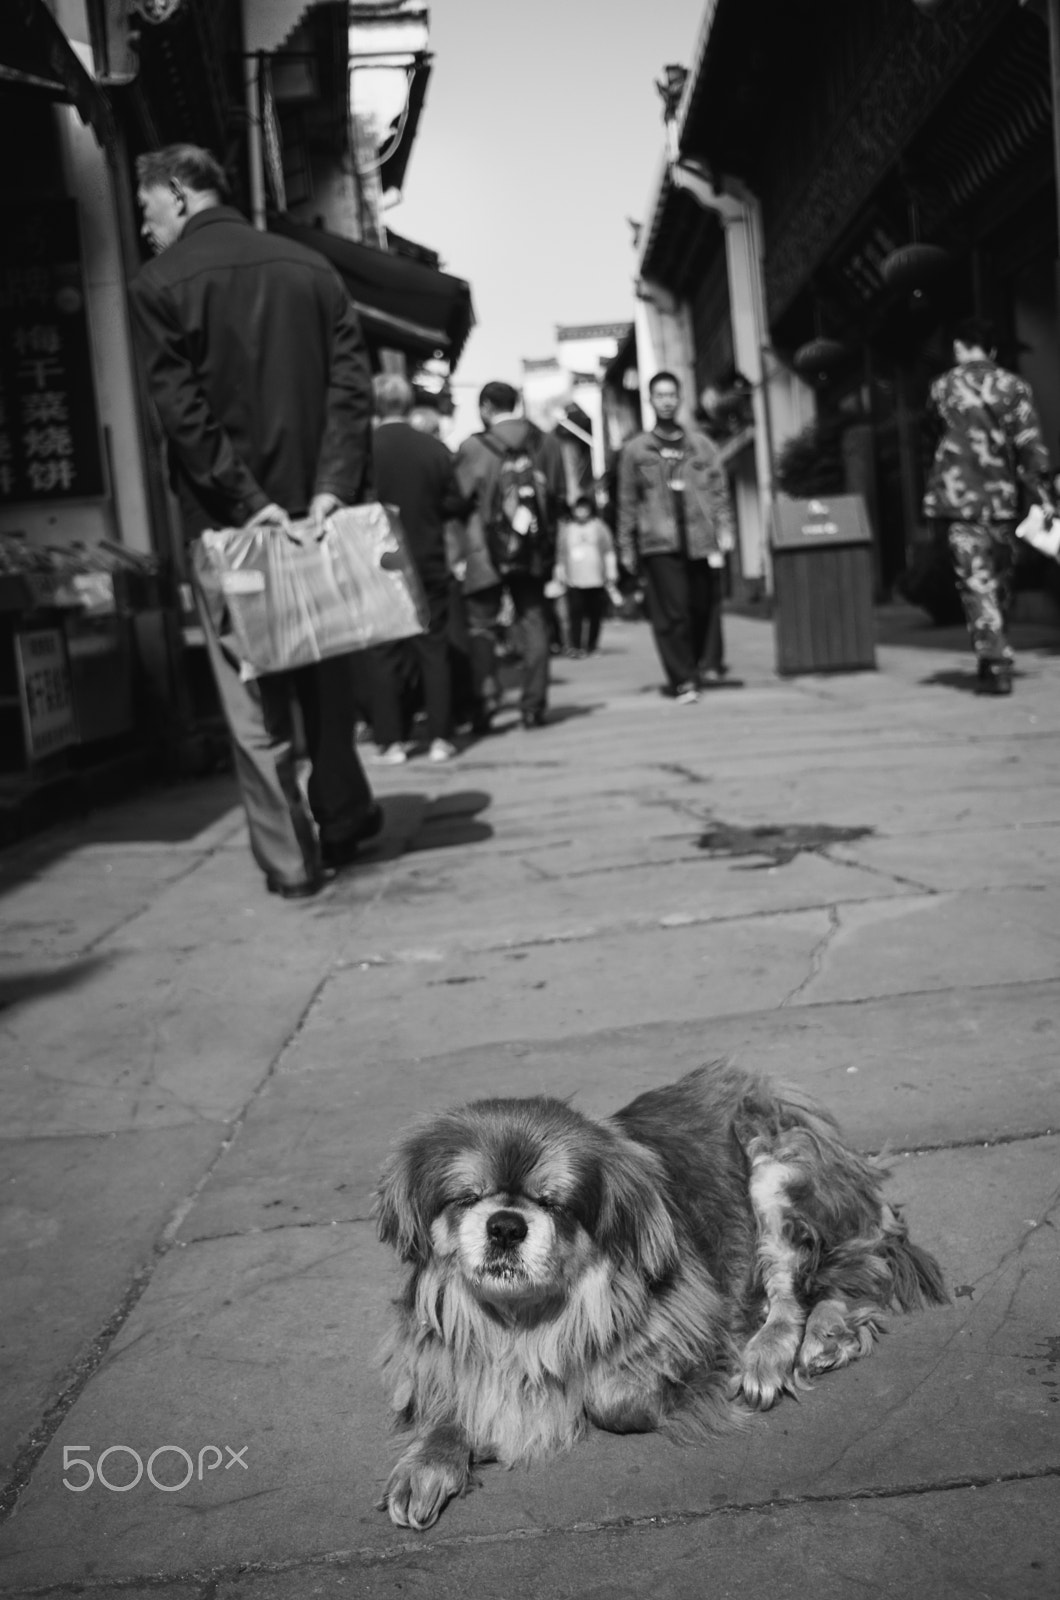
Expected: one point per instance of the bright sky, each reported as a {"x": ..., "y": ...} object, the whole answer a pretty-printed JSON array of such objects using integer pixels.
[{"x": 541, "y": 134}]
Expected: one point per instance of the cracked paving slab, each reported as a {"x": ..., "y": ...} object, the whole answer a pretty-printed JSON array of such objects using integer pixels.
[
  {"x": 78, "y": 1223},
  {"x": 73, "y": 903},
  {"x": 155, "y": 1044},
  {"x": 403, "y": 1010},
  {"x": 979, "y": 858},
  {"x": 262, "y": 1342},
  {"x": 924, "y": 1070},
  {"x": 941, "y": 1546},
  {"x": 938, "y": 942},
  {"x": 435, "y": 907}
]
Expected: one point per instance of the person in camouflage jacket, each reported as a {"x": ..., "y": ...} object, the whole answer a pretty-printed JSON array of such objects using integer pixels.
[{"x": 991, "y": 443}]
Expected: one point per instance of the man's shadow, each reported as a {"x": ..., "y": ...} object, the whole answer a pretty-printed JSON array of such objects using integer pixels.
[{"x": 964, "y": 682}]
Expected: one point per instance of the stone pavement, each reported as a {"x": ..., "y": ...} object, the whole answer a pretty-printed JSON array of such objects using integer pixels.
[{"x": 853, "y": 882}]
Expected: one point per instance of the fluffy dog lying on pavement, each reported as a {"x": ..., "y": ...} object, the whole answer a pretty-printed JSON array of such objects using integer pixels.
[{"x": 706, "y": 1248}]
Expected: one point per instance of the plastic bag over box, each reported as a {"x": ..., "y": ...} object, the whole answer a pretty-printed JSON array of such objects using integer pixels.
[{"x": 292, "y": 604}]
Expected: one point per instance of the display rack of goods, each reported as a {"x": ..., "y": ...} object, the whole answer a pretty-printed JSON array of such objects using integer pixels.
[{"x": 66, "y": 646}]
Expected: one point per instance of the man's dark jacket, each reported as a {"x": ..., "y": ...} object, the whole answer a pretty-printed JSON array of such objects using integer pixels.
[
  {"x": 415, "y": 472},
  {"x": 256, "y": 362}
]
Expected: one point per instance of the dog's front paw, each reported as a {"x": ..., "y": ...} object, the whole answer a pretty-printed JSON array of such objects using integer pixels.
[
  {"x": 767, "y": 1363},
  {"x": 835, "y": 1336},
  {"x": 429, "y": 1474}
]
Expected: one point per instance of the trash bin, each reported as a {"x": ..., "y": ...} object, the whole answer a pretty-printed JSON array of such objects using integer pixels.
[{"x": 823, "y": 585}]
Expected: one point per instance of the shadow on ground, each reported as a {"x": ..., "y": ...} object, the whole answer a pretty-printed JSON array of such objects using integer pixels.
[
  {"x": 415, "y": 822},
  {"x": 32, "y": 984},
  {"x": 175, "y": 813}
]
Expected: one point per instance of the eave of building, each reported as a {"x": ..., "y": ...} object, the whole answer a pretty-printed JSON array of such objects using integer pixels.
[
  {"x": 682, "y": 231},
  {"x": 665, "y": 202},
  {"x": 392, "y": 172},
  {"x": 623, "y": 360}
]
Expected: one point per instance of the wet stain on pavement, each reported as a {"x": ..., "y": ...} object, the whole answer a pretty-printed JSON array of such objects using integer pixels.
[{"x": 779, "y": 844}]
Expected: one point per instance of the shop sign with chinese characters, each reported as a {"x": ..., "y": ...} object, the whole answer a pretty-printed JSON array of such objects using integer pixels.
[
  {"x": 48, "y": 720},
  {"x": 49, "y": 426}
]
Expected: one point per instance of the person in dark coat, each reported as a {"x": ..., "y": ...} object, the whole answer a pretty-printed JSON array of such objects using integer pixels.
[
  {"x": 256, "y": 363},
  {"x": 414, "y": 472}
]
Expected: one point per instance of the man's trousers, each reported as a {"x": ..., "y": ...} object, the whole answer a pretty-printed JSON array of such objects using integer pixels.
[
  {"x": 585, "y": 609},
  {"x": 260, "y": 714},
  {"x": 683, "y": 600},
  {"x": 531, "y": 628},
  {"x": 984, "y": 557}
]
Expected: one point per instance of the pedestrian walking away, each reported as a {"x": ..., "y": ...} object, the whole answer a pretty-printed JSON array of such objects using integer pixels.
[
  {"x": 675, "y": 526},
  {"x": 990, "y": 446},
  {"x": 587, "y": 567},
  {"x": 515, "y": 483},
  {"x": 255, "y": 360},
  {"x": 414, "y": 472}
]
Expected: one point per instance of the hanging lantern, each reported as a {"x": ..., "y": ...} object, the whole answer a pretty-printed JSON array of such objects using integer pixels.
[
  {"x": 819, "y": 357},
  {"x": 914, "y": 266}
]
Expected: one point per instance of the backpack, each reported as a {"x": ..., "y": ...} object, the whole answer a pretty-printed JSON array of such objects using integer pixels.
[{"x": 516, "y": 519}]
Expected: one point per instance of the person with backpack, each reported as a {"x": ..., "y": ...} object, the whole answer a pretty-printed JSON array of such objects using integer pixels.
[{"x": 514, "y": 478}]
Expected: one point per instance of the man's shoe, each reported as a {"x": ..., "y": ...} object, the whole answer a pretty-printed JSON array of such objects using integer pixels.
[
  {"x": 336, "y": 854},
  {"x": 441, "y": 750},
  {"x": 534, "y": 719},
  {"x": 294, "y": 891},
  {"x": 686, "y": 694},
  {"x": 995, "y": 677},
  {"x": 391, "y": 755}
]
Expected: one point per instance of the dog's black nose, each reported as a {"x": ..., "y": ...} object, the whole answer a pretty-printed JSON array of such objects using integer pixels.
[{"x": 506, "y": 1228}]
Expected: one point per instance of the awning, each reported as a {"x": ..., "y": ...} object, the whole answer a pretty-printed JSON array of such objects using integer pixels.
[
  {"x": 403, "y": 304},
  {"x": 35, "y": 54}
]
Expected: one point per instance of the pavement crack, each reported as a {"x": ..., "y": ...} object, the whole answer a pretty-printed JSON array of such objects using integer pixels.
[
  {"x": 880, "y": 872},
  {"x": 817, "y": 958},
  {"x": 91, "y": 1359},
  {"x": 207, "y": 1580}
]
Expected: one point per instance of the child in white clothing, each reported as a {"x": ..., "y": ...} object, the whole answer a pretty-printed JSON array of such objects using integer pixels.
[{"x": 588, "y": 570}]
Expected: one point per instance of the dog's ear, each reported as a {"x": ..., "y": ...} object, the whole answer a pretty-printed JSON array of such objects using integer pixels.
[
  {"x": 634, "y": 1220},
  {"x": 400, "y": 1206}
]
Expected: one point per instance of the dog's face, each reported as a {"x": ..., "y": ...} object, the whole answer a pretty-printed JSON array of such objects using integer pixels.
[{"x": 520, "y": 1197}]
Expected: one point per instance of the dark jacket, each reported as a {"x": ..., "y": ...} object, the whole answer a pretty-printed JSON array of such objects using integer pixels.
[
  {"x": 478, "y": 466},
  {"x": 414, "y": 472},
  {"x": 991, "y": 441},
  {"x": 255, "y": 359},
  {"x": 647, "y": 522}
]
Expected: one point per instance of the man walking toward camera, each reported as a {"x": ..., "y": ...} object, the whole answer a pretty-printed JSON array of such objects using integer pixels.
[
  {"x": 255, "y": 361},
  {"x": 675, "y": 524},
  {"x": 513, "y": 477},
  {"x": 991, "y": 443}
]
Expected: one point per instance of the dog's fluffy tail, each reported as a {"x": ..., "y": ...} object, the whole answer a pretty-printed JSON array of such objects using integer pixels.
[{"x": 916, "y": 1277}]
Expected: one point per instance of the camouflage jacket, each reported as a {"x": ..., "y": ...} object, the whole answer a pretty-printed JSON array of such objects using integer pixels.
[{"x": 991, "y": 440}]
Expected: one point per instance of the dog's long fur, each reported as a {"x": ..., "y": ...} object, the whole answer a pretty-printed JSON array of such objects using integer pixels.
[{"x": 706, "y": 1248}]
